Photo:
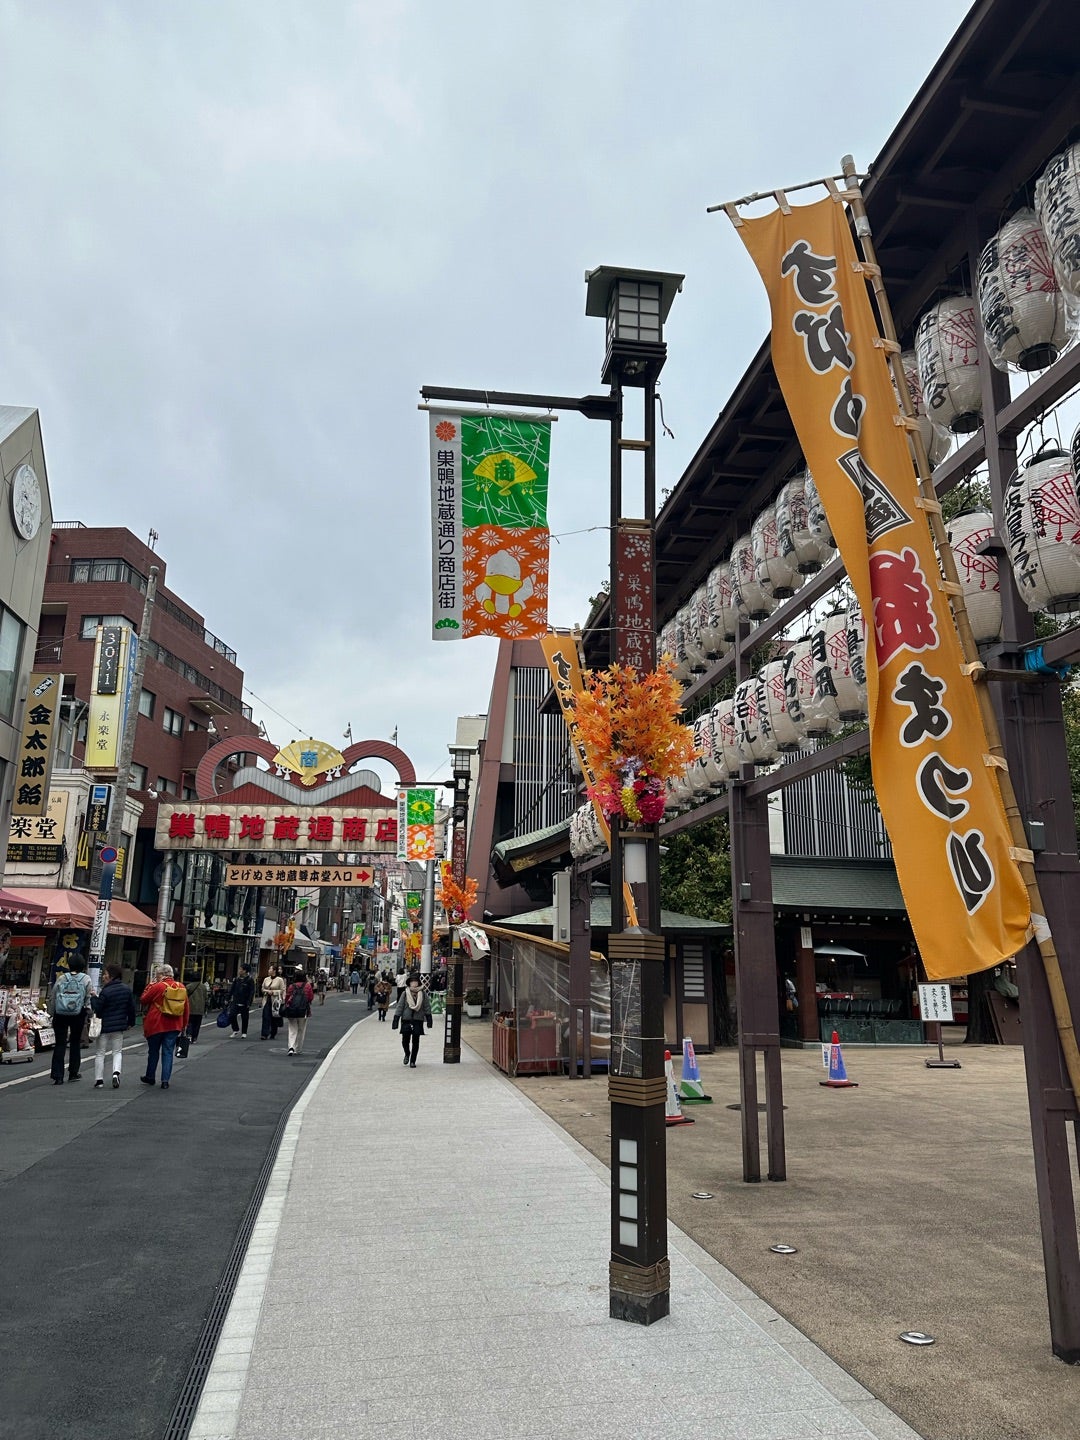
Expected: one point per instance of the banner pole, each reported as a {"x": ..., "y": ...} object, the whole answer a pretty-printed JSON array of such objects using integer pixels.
[{"x": 929, "y": 503}]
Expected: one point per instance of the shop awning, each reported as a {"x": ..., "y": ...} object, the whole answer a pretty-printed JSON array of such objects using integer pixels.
[
  {"x": 16, "y": 910},
  {"x": 75, "y": 909}
]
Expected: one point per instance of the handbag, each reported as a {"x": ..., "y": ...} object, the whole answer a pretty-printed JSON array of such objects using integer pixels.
[
  {"x": 95, "y": 1027},
  {"x": 223, "y": 1019}
]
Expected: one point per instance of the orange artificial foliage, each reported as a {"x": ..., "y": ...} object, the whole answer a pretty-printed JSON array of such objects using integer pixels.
[
  {"x": 632, "y": 731},
  {"x": 457, "y": 900}
]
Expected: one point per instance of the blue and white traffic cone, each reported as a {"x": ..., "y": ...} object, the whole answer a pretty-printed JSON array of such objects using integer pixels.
[
  {"x": 837, "y": 1071},
  {"x": 672, "y": 1109},
  {"x": 692, "y": 1091}
]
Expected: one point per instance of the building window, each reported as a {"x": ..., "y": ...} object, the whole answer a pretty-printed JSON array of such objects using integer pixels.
[
  {"x": 91, "y": 622},
  {"x": 138, "y": 777},
  {"x": 172, "y": 722},
  {"x": 188, "y": 793},
  {"x": 11, "y": 638},
  {"x": 146, "y": 703},
  {"x": 165, "y": 787}
]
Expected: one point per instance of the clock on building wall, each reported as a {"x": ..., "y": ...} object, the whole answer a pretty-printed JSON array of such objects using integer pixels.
[{"x": 25, "y": 501}]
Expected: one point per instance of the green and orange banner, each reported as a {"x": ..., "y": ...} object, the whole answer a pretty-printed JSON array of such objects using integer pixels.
[
  {"x": 966, "y": 899},
  {"x": 489, "y": 528}
]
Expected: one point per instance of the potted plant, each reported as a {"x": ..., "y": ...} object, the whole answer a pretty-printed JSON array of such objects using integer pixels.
[{"x": 474, "y": 1002}]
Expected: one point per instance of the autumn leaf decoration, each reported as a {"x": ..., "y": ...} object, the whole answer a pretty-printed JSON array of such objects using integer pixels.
[
  {"x": 634, "y": 738},
  {"x": 457, "y": 900}
]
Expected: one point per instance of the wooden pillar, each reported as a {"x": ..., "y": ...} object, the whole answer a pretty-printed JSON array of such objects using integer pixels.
[{"x": 806, "y": 991}]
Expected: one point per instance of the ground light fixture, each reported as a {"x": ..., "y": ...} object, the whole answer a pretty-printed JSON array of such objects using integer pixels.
[
  {"x": 703, "y": 1195},
  {"x": 783, "y": 1250},
  {"x": 916, "y": 1337}
]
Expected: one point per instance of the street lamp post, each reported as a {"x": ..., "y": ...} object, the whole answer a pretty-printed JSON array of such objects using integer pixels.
[
  {"x": 635, "y": 304},
  {"x": 461, "y": 765}
]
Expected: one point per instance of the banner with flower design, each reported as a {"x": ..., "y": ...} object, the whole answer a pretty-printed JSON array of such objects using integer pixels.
[
  {"x": 416, "y": 824},
  {"x": 489, "y": 530}
]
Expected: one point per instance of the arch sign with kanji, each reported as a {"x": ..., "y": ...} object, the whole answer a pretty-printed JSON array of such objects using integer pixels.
[{"x": 309, "y": 798}]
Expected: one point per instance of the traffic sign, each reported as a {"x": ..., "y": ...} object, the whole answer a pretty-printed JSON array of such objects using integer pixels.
[{"x": 108, "y": 854}]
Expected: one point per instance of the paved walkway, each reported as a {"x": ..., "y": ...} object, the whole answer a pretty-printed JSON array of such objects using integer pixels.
[{"x": 431, "y": 1257}]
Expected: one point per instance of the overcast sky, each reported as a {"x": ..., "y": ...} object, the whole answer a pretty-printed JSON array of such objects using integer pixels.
[{"x": 239, "y": 235}]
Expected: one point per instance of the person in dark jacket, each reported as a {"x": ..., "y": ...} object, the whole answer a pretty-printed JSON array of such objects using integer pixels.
[
  {"x": 198, "y": 992},
  {"x": 241, "y": 994},
  {"x": 115, "y": 1008},
  {"x": 412, "y": 1010}
]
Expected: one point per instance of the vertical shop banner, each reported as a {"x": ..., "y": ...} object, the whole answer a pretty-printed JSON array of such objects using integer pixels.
[
  {"x": 965, "y": 896},
  {"x": 108, "y": 699},
  {"x": 633, "y": 601},
  {"x": 416, "y": 824},
  {"x": 489, "y": 528},
  {"x": 37, "y": 745}
]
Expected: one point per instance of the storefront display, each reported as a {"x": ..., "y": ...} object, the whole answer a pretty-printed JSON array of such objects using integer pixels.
[{"x": 24, "y": 1026}]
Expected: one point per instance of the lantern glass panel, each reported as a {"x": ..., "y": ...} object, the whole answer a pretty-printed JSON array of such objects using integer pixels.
[{"x": 626, "y": 1056}]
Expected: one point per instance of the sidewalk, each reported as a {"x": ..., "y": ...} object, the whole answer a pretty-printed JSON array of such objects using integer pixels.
[{"x": 433, "y": 1223}]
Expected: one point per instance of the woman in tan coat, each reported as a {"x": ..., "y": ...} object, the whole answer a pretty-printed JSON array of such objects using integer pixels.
[{"x": 273, "y": 992}]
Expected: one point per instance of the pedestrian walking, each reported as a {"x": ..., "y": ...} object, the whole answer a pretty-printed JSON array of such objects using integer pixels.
[
  {"x": 354, "y": 979},
  {"x": 114, "y": 1006},
  {"x": 412, "y": 1011},
  {"x": 198, "y": 994},
  {"x": 382, "y": 996},
  {"x": 297, "y": 1009},
  {"x": 321, "y": 982},
  {"x": 372, "y": 981},
  {"x": 165, "y": 1002},
  {"x": 68, "y": 1002},
  {"x": 273, "y": 990},
  {"x": 241, "y": 994}
]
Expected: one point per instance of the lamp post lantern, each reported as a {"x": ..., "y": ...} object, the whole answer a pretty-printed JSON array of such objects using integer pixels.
[
  {"x": 461, "y": 766},
  {"x": 635, "y": 305}
]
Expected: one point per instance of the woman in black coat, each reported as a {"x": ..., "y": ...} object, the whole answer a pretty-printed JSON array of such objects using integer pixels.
[{"x": 412, "y": 1011}]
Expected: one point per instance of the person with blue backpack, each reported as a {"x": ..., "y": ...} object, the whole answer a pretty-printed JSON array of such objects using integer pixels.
[{"x": 69, "y": 999}]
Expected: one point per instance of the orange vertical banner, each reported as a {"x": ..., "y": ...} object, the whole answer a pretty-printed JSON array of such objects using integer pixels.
[{"x": 966, "y": 899}]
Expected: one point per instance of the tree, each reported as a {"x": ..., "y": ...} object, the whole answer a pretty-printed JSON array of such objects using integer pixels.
[{"x": 695, "y": 871}]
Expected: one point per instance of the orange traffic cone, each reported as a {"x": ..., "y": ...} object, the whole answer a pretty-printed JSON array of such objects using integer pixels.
[
  {"x": 672, "y": 1108},
  {"x": 837, "y": 1072}
]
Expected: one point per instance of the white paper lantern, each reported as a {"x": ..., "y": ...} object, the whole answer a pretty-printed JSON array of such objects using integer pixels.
[
  {"x": 727, "y": 737},
  {"x": 691, "y": 645},
  {"x": 978, "y": 574},
  {"x": 773, "y": 570},
  {"x": 1074, "y": 451},
  {"x": 753, "y": 727},
  {"x": 850, "y": 694},
  {"x": 803, "y": 550},
  {"x": 678, "y": 793},
  {"x": 1057, "y": 204},
  {"x": 947, "y": 348},
  {"x": 1023, "y": 311},
  {"x": 935, "y": 437},
  {"x": 1042, "y": 532},
  {"x": 678, "y": 632},
  {"x": 851, "y": 684},
  {"x": 709, "y": 770},
  {"x": 585, "y": 836},
  {"x": 751, "y": 597},
  {"x": 709, "y": 635},
  {"x": 665, "y": 641},
  {"x": 816, "y": 519},
  {"x": 788, "y": 729},
  {"x": 723, "y": 600},
  {"x": 814, "y": 698}
]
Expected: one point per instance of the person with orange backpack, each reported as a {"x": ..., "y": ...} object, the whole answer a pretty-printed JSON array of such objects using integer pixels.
[{"x": 165, "y": 1003}]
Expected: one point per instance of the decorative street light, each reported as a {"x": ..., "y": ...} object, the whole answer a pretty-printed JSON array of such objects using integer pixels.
[{"x": 635, "y": 304}]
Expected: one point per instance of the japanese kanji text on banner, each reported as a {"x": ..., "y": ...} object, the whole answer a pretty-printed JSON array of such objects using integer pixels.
[
  {"x": 966, "y": 899},
  {"x": 416, "y": 824},
  {"x": 489, "y": 530}
]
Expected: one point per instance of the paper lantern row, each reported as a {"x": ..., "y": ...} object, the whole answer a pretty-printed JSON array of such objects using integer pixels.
[
  {"x": 1027, "y": 303},
  {"x": 786, "y": 542}
]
